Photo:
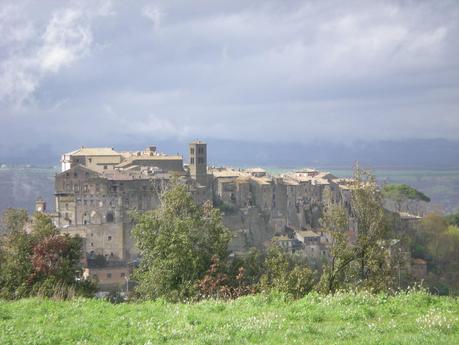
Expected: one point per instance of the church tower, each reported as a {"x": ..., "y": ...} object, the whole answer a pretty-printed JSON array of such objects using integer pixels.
[
  {"x": 40, "y": 205},
  {"x": 198, "y": 162}
]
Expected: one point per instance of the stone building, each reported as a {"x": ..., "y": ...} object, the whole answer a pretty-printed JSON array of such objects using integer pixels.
[
  {"x": 99, "y": 188},
  {"x": 96, "y": 159}
]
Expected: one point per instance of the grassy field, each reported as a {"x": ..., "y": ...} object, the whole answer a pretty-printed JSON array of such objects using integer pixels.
[{"x": 415, "y": 318}]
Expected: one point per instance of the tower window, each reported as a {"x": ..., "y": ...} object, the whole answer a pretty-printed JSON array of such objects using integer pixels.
[
  {"x": 192, "y": 151},
  {"x": 192, "y": 160},
  {"x": 109, "y": 218}
]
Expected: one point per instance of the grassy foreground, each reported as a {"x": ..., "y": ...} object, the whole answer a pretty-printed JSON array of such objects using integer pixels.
[{"x": 413, "y": 318}]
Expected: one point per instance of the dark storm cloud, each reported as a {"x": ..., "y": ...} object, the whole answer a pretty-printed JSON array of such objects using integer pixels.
[{"x": 92, "y": 72}]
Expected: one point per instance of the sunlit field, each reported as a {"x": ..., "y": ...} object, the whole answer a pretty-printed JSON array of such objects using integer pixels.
[{"x": 413, "y": 318}]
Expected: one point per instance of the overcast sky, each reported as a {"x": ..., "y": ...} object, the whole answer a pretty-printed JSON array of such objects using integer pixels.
[{"x": 107, "y": 72}]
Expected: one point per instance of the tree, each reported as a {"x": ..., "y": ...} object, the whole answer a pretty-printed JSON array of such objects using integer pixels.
[
  {"x": 369, "y": 215},
  {"x": 41, "y": 262},
  {"x": 362, "y": 261},
  {"x": 177, "y": 242},
  {"x": 438, "y": 243},
  {"x": 15, "y": 266},
  {"x": 402, "y": 193},
  {"x": 453, "y": 219},
  {"x": 13, "y": 220},
  {"x": 335, "y": 220},
  {"x": 282, "y": 274}
]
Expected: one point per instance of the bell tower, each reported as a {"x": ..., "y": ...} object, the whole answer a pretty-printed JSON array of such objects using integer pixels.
[
  {"x": 198, "y": 161},
  {"x": 40, "y": 205}
]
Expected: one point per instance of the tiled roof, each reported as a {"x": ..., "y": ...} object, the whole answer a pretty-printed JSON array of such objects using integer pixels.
[{"x": 94, "y": 151}]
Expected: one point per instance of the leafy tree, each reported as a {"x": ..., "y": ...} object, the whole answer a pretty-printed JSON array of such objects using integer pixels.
[
  {"x": 369, "y": 216},
  {"x": 438, "y": 243},
  {"x": 282, "y": 274},
  {"x": 177, "y": 242},
  {"x": 13, "y": 220},
  {"x": 453, "y": 219},
  {"x": 56, "y": 256},
  {"x": 401, "y": 193},
  {"x": 335, "y": 220},
  {"x": 15, "y": 266},
  {"x": 361, "y": 261},
  {"x": 41, "y": 262}
]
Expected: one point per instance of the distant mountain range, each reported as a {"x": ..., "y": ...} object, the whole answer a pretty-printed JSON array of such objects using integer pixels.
[{"x": 413, "y": 153}]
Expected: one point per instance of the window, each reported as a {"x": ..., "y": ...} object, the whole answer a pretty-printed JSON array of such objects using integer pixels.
[
  {"x": 105, "y": 167},
  {"x": 200, "y": 160},
  {"x": 192, "y": 151},
  {"x": 109, "y": 218},
  {"x": 90, "y": 160},
  {"x": 192, "y": 160},
  {"x": 122, "y": 275},
  {"x": 92, "y": 244},
  {"x": 110, "y": 238},
  {"x": 109, "y": 275}
]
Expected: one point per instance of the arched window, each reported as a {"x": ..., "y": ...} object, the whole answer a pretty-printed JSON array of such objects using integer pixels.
[{"x": 109, "y": 217}]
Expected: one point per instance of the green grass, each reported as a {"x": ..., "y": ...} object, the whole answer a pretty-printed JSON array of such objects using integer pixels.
[{"x": 415, "y": 318}]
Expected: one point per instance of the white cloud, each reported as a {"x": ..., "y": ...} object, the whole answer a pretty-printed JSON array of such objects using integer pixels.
[
  {"x": 276, "y": 70},
  {"x": 67, "y": 38},
  {"x": 154, "y": 14},
  {"x": 36, "y": 50}
]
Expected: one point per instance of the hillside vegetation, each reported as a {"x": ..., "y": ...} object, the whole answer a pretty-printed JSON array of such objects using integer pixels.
[{"x": 346, "y": 318}]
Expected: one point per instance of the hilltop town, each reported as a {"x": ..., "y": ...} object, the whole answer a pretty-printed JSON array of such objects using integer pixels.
[{"x": 98, "y": 190}]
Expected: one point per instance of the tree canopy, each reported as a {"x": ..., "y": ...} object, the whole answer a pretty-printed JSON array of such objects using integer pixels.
[
  {"x": 403, "y": 192},
  {"x": 40, "y": 262},
  {"x": 177, "y": 242},
  {"x": 360, "y": 262}
]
